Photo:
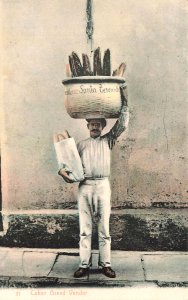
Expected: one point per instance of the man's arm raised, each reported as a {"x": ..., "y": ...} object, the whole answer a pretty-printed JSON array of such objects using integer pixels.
[{"x": 122, "y": 123}]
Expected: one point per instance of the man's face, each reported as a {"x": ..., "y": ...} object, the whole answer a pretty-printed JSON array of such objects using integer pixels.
[{"x": 95, "y": 127}]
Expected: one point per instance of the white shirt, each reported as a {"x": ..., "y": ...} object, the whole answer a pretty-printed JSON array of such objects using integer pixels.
[
  {"x": 95, "y": 152},
  {"x": 95, "y": 157}
]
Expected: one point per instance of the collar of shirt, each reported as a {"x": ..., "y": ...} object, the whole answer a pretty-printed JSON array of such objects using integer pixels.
[{"x": 95, "y": 139}]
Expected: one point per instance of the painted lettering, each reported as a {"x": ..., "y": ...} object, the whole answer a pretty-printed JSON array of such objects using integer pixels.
[{"x": 90, "y": 89}]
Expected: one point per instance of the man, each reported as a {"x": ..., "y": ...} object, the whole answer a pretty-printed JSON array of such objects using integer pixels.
[{"x": 94, "y": 191}]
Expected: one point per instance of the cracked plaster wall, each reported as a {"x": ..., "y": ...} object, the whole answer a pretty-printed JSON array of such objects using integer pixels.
[{"x": 149, "y": 167}]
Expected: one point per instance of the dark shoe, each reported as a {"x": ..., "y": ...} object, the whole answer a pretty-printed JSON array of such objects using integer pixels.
[
  {"x": 107, "y": 271},
  {"x": 81, "y": 272}
]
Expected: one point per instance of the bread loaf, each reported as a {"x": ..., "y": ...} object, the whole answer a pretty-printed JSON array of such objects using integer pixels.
[
  {"x": 97, "y": 67},
  {"x": 106, "y": 63}
]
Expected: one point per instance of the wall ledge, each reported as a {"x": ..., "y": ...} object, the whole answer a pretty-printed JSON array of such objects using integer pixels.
[{"x": 131, "y": 229}]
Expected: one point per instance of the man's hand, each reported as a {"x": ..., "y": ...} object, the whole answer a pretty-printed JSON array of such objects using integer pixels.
[
  {"x": 63, "y": 173},
  {"x": 111, "y": 142}
]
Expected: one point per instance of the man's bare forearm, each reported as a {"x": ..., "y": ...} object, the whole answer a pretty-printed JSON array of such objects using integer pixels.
[
  {"x": 123, "y": 120},
  {"x": 122, "y": 123}
]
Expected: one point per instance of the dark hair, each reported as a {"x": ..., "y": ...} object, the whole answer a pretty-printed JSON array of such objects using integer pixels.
[{"x": 102, "y": 120}]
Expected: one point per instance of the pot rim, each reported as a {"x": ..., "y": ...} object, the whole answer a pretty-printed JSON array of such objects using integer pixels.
[{"x": 94, "y": 79}]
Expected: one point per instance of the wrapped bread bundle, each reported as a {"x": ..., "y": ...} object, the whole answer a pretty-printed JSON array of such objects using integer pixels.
[{"x": 69, "y": 159}]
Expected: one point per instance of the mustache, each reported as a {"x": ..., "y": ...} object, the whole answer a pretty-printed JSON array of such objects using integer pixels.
[{"x": 95, "y": 130}]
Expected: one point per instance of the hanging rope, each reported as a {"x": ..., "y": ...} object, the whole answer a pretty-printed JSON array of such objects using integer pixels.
[{"x": 89, "y": 25}]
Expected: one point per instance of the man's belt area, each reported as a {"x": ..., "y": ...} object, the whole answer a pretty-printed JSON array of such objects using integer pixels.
[{"x": 95, "y": 178}]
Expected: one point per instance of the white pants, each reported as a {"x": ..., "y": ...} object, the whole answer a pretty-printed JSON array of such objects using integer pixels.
[{"x": 94, "y": 203}]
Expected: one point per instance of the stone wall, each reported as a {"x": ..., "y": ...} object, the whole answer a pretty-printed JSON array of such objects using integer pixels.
[{"x": 131, "y": 229}]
